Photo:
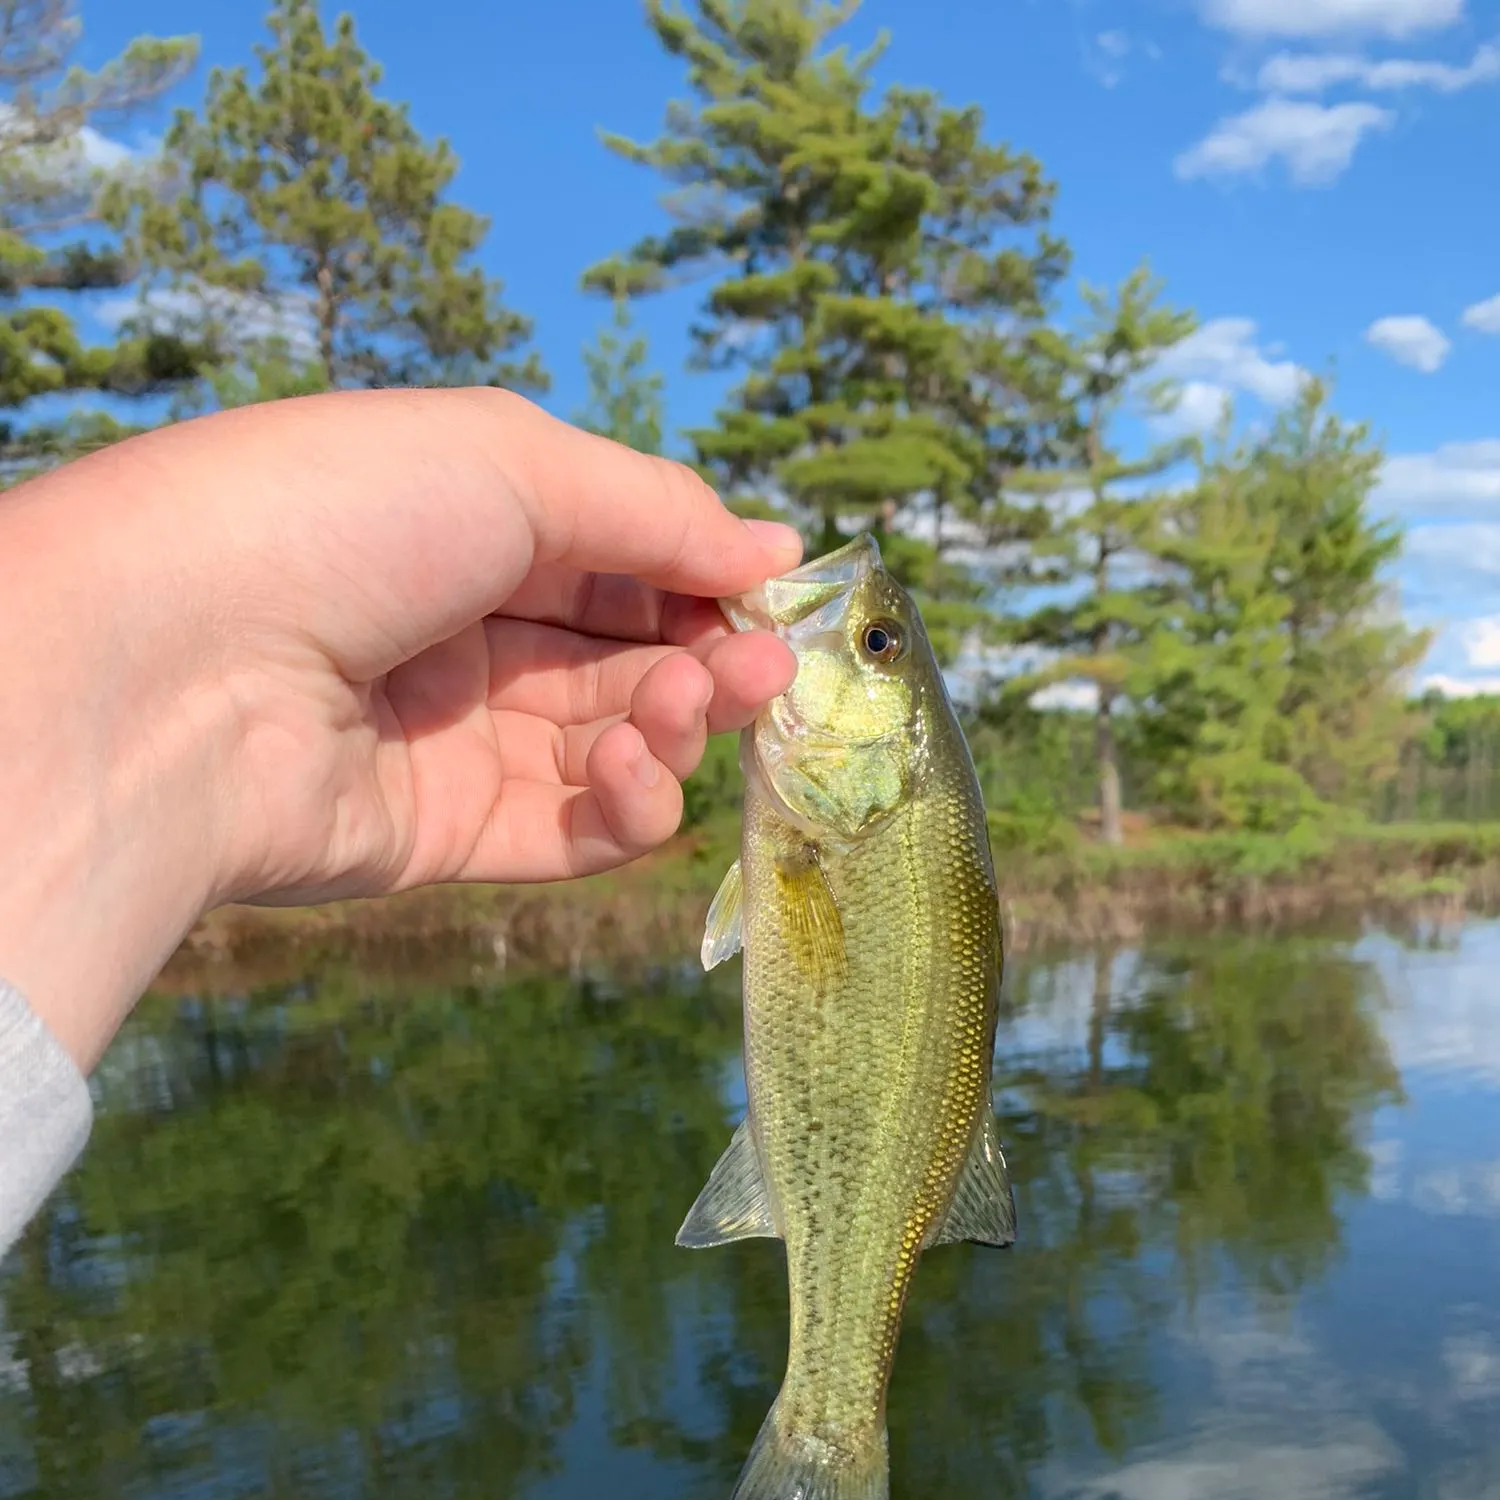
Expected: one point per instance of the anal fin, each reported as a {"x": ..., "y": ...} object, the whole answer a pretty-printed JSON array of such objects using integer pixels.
[
  {"x": 983, "y": 1208},
  {"x": 734, "y": 1203}
]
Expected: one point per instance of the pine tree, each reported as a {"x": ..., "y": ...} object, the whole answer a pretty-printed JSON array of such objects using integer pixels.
[
  {"x": 625, "y": 400},
  {"x": 1275, "y": 679},
  {"x": 306, "y": 208},
  {"x": 1096, "y": 532},
  {"x": 53, "y": 163},
  {"x": 1349, "y": 654},
  {"x": 1209, "y": 672},
  {"x": 872, "y": 245}
]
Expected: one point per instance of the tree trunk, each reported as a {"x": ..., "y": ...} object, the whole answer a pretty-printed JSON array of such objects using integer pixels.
[
  {"x": 1109, "y": 774},
  {"x": 1109, "y": 771},
  {"x": 327, "y": 317}
]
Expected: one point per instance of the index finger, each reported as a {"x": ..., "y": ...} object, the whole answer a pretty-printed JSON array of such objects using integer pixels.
[
  {"x": 383, "y": 522},
  {"x": 600, "y": 507}
]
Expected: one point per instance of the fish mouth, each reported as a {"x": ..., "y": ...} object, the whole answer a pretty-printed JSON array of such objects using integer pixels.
[{"x": 820, "y": 588}]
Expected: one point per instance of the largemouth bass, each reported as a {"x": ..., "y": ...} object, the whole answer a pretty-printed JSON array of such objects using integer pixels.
[{"x": 864, "y": 899}]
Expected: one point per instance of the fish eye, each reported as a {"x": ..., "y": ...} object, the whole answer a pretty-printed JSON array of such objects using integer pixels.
[{"x": 882, "y": 641}]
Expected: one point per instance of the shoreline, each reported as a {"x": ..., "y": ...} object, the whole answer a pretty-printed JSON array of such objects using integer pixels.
[{"x": 651, "y": 914}]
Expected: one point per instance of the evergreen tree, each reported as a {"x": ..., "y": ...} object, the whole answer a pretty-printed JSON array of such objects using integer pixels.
[
  {"x": 625, "y": 400},
  {"x": 307, "y": 209},
  {"x": 1096, "y": 532},
  {"x": 1276, "y": 677},
  {"x": 53, "y": 162},
  {"x": 1210, "y": 673},
  {"x": 872, "y": 246},
  {"x": 1349, "y": 655}
]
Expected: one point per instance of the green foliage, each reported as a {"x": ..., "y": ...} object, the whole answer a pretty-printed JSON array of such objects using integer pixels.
[
  {"x": 1350, "y": 654},
  {"x": 51, "y": 179},
  {"x": 1457, "y": 731},
  {"x": 1273, "y": 686},
  {"x": 1092, "y": 529},
  {"x": 1029, "y": 763},
  {"x": 879, "y": 254},
  {"x": 304, "y": 209},
  {"x": 625, "y": 399}
]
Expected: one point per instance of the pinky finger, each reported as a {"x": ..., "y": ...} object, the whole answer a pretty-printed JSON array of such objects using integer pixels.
[
  {"x": 542, "y": 831},
  {"x": 632, "y": 802}
]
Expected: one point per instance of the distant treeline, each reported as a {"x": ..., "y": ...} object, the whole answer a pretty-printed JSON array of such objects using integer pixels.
[{"x": 885, "y": 284}]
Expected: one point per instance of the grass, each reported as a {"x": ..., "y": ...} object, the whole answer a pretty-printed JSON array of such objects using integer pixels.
[{"x": 1072, "y": 889}]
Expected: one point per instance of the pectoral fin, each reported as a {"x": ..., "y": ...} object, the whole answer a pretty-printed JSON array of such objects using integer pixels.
[
  {"x": 724, "y": 931},
  {"x": 810, "y": 920},
  {"x": 734, "y": 1204},
  {"x": 983, "y": 1208}
]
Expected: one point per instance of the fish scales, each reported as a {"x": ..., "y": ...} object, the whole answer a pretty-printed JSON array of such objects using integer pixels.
[
  {"x": 864, "y": 899},
  {"x": 866, "y": 1097}
]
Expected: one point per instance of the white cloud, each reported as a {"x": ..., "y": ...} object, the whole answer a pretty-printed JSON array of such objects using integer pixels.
[
  {"x": 1107, "y": 53},
  {"x": 102, "y": 152},
  {"x": 1311, "y": 73},
  {"x": 1470, "y": 547},
  {"x": 1456, "y": 475},
  {"x": 86, "y": 153},
  {"x": 1471, "y": 1190},
  {"x": 1392, "y": 18},
  {"x": 1200, "y": 405},
  {"x": 1278, "y": 1417},
  {"x": 1410, "y": 341},
  {"x": 1443, "y": 1021},
  {"x": 1222, "y": 356},
  {"x": 1484, "y": 317},
  {"x": 1481, "y": 639},
  {"x": 245, "y": 316},
  {"x": 1457, "y": 687},
  {"x": 1316, "y": 141},
  {"x": 1074, "y": 695},
  {"x": 1473, "y": 1363}
]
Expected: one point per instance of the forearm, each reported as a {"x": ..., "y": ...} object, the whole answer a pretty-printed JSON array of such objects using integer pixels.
[{"x": 111, "y": 735}]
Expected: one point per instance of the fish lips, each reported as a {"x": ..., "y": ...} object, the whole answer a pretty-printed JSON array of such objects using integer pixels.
[{"x": 809, "y": 601}]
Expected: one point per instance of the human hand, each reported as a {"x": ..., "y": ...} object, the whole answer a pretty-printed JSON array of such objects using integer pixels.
[{"x": 342, "y": 646}]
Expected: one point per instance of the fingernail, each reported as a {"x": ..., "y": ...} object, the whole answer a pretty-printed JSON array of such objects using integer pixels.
[
  {"x": 644, "y": 768},
  {"x": 703, "y": 697},
  {"x": 777, "y": 537}
]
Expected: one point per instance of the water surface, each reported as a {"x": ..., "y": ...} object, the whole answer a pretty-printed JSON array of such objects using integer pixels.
[{"x": 366, "y": 1236}]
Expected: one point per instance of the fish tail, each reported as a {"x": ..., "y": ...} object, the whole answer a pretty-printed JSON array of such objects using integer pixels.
[{"x": 789, "y": 1465}]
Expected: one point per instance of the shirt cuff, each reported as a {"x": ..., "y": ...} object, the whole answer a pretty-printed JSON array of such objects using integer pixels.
[{"x": 46, "y": 1113}]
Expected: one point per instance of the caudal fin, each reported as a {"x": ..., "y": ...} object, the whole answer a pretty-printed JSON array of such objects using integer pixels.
[{"x": 799, "y": 1466}]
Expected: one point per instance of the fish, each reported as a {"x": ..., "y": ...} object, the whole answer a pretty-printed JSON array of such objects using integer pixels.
[{"x": 865, "y": 904}]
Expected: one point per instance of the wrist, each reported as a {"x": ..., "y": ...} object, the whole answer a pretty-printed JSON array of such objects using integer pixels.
[{"x": 107, "y": 758}]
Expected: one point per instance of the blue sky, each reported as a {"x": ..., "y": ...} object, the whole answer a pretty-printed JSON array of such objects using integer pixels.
[{"x": 1314, "y": 178}]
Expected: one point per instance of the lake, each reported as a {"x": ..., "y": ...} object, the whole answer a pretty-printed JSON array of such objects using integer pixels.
[{"x": 361, "y": 1235}]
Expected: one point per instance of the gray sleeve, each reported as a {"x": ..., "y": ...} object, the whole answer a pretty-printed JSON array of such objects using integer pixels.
[{"x": 46, "y": 1113}]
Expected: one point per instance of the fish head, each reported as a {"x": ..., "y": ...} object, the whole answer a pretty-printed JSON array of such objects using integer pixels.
[{"x": 839, "y": 752}]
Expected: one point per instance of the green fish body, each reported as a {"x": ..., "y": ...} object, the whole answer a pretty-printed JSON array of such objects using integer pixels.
[{"x": 865, "y": 902}]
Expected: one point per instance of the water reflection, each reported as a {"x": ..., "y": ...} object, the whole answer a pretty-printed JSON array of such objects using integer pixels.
[{"x": 353, "y": 1235}]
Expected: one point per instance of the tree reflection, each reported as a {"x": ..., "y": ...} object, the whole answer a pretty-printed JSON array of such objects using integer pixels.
[{"x": 346, "y": 1236}]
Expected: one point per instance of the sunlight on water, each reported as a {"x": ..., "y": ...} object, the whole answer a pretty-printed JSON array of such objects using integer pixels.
[{"x": 367, "y": 1236}]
